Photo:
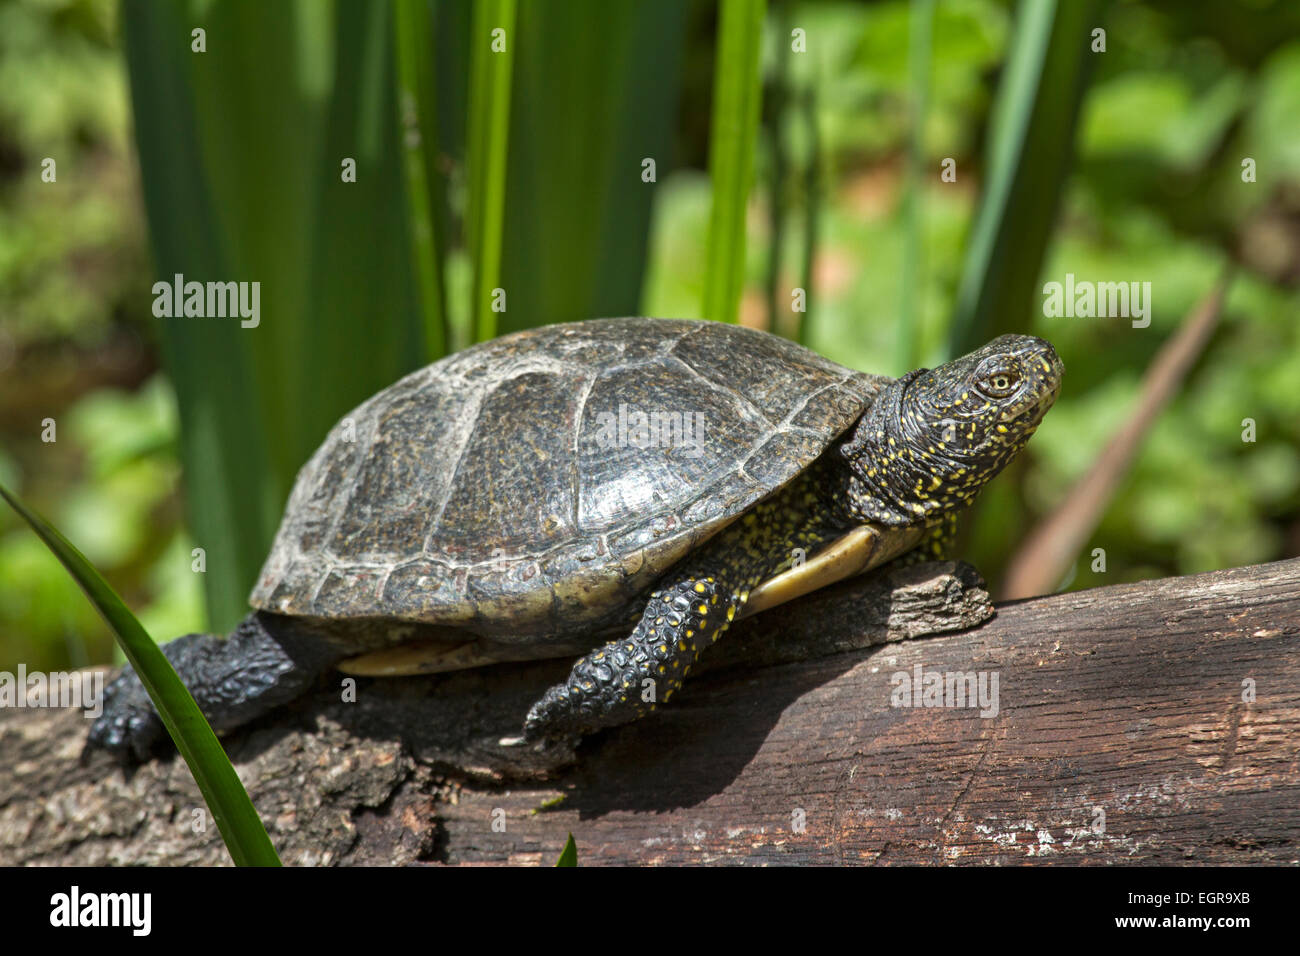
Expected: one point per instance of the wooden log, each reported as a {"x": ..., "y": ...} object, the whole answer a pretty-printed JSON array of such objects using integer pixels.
[{"x": 1156, "y": 722}]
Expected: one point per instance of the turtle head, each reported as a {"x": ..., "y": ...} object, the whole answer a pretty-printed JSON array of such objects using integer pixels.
[{"x": 932, "y": 439}]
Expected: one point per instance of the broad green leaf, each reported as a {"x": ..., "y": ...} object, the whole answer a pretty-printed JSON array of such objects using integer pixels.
[
  {"x": 242, "y": 150},
  {"x": 595, "y": 91}
]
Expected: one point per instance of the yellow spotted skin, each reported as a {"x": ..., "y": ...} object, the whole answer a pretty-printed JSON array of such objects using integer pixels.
[{"x": 919, "y": 455}]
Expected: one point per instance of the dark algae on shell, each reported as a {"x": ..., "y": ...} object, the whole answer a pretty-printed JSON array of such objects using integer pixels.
[{"x": 531, "y": 496}]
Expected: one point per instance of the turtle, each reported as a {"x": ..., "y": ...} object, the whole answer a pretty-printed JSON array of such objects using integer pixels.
[{"x": 615, "y": 490}]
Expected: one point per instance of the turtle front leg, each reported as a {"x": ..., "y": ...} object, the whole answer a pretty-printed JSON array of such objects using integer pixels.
[
  {"x": 626, "y": 679},
  {"x": 694, "y": 604}
]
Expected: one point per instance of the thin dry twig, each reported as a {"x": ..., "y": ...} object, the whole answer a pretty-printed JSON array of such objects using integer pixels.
[{"x": 1054, "y": 544}]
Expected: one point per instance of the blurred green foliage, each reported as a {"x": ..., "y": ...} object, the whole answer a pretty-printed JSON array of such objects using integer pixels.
[
  {"x": 1184, "y": 92},
  {"x": 74, "y": 328},
  {"x": 70, "y": 257}
]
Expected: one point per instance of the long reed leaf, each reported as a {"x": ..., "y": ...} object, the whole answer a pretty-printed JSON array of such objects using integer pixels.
[
  {"x": 775, "y": 114},
  {"x": 812, "y": 212},
  {"x": 584, "y": 167},
  {"x": 491, "y": 62},
  {"x": 245, "y": 149},
  {"x": 920, "y": 32},
  {"x": 737, "y": 93},
  {"x": 417, "y": 111}
]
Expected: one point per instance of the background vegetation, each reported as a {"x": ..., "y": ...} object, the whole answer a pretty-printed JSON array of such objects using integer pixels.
[{"x": 226, "y": 165}]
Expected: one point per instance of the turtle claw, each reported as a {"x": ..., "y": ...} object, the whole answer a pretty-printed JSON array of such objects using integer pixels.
[{"x": 129, "y": 727}]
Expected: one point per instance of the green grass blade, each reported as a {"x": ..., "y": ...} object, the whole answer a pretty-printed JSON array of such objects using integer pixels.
[
  {"x": 920, "y": 33},
  {"x": 813, "y": 194},
  {"x": 777, "y": 108},
  {"x": 1031, "y": 142},
  {"x": 488, "y": 137},
  {"x": 577, "y": 212},
  {"x": 417, "y": 111},
  {"x": 737, "y": 92},
  {"x": 569, "y": 855},
  {"x": 238, "y": 822}
]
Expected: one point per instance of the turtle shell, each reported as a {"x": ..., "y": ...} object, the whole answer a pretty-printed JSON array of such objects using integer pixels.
[{"x": 514, "y": 490}]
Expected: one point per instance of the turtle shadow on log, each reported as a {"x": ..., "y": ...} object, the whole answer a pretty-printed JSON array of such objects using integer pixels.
[
  {"x": 697, "y": 746},
  {"x": 687, "y": 750}
]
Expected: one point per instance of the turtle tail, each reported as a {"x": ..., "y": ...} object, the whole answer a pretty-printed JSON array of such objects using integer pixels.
[{"x": 267, "y": 661}]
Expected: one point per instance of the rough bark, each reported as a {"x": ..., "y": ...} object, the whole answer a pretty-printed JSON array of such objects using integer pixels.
[{"x": 1124, "y": 733}]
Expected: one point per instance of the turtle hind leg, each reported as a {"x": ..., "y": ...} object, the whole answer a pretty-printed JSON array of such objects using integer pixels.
[
  {"x": 264, "y": 663},
  {"x": 627, "y": 678}
]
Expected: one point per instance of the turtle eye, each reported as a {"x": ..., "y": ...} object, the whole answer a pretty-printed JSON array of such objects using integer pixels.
[{"x": 999, "y": 382}]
